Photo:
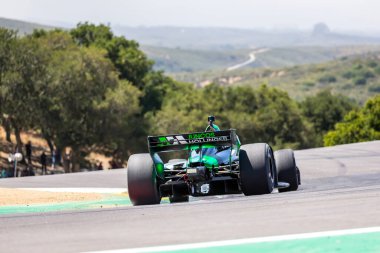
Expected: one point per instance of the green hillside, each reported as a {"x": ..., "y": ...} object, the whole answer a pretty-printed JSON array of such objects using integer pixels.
[
  {"x": 174, "y": 60},
  {"x": 357, "y": 77},
  {"x": 188, "y": 64},
  {"x": 291, "y": 56},
  {"x": 351, "y": 70},
  {"x": 23, "y": 27}
]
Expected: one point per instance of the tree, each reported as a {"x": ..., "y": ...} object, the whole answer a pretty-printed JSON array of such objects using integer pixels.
[
  {"x": 79, "y": 100},
  {"x": 7, "y": 44},
  {"x": 324, "y": 110},
  {"x": 262, "y": 115},
  {"x": 87, "y": 34},
  {"x": 132, "y": 63},
  {"x": 155, "y": 90},
  {"x": 121, "y": 130},
  {"x": 81, "y": 103},
  {"x": 20, "y": 84},
  {"x": 71, "y": 94},
  {"x": 357, "y": 126},
  {"x": 279, "y": 121}
]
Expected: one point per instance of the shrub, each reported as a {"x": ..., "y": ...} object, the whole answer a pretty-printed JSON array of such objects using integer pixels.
[
  {"x": 360, "y": 81},
  {"x": 327, "y": 79}
]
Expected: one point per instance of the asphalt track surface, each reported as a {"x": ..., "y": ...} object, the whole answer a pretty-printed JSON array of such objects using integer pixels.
[{"x": 340, "y": 190}]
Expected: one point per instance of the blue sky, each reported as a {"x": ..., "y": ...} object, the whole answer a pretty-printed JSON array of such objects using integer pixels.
[{"x": 348, "y": 15}]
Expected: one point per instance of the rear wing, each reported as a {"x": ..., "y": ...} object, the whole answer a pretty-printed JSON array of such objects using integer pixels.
[{"x": 175, "y": 142}]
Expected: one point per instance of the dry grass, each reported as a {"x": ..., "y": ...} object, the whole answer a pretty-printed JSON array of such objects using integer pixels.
[
  {"x": 9, "y": 197},
  {"x": 40, "y": 144},
  {"x": 32, "y": 136}
]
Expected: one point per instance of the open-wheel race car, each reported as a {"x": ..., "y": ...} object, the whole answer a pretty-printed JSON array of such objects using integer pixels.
[{"x": 211, "y": 163}]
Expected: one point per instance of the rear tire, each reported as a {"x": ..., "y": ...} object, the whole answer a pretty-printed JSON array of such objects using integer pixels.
[
  {"x": 287, "y": 170},
  {"x": 142, "y": 180},
  {"x": 257, "y": 169}
]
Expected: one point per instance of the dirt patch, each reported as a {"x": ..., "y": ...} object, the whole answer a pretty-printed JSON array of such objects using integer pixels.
[
  {"x": 10, "y": 197},
  {"x": 39, "y": 144}
]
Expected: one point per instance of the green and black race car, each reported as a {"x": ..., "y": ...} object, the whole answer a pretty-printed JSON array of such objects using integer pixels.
[{"x": 211, "y": 163}]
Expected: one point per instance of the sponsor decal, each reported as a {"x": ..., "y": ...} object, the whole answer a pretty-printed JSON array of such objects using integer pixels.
[
  {"x": 191, "y": 171},
  {"x": 162, "y": 142},
  {"x": 212, "y": 139},
  {"x": 201, "y": 135},
  {"x": 192, "y": 138},
  {"x": 173, "y": 140}
]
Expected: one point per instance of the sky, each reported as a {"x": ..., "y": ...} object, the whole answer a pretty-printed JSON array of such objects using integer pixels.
[{"x": 340, "y": 15}]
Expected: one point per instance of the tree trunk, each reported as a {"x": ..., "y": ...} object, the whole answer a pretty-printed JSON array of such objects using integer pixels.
[
  {"x": 18, "y": 136},
  {"x": 49, "y": 142},
  {"x": 75, "y": 160},
  {"x": 7, "y": 128},
  {"x": 18, "y": 140},
  {"x": 66, "y": 158}
]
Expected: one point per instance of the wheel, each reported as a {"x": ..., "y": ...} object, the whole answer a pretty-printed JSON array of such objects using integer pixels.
[
  {"x": 287, "y": 170},
  {"x": 176, "y": 199},
  {"x": 256, "y": 169},
  {"x": 142, "y": 180}
]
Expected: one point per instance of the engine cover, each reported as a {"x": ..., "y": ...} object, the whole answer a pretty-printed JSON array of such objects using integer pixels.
[{"x": 196, "y": 174}]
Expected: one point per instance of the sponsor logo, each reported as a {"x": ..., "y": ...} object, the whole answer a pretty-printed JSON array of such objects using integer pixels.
[
  {"x": 173, "y": 140},
  {"x": 211, "y": 139},
  {"x": 191, "y": 171},
  {"x": 201, "y": 135},
  {"x": 192, "y": 138}
]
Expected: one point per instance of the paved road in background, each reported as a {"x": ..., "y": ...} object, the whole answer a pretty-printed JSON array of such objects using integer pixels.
[
  {"x": 340, "y": 190},
  {"x": 252, "y": 58}
]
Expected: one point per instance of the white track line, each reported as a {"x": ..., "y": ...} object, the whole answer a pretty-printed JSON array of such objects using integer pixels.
[
  {"x": 79, "y": 190},
  {"x": 244, "y": 241}
]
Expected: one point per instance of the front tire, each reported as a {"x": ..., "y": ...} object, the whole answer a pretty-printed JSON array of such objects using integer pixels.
[
  {"x": 257, "y": 169},
  {"x": 287, "y": 170},
  {"x": 142, "y": 180}
]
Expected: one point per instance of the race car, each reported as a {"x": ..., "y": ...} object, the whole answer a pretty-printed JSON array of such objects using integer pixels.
[{"x": 210, "y": 163}]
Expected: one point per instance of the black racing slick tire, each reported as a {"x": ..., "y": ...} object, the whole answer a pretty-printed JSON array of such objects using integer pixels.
[
  {"x": 257, "y": 170},
  {"x": 142, "y": 180},
  {"x": 287, "y": 170}
]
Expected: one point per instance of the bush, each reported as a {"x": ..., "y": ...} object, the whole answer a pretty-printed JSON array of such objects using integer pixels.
[
  {"x": 358, "y": 66},
  {"x": 374, "y": 88},
  {"x": 372, "y": 64},
  {"x": 360, "y": 81},
  {"x": 324, "y": 110},
  {"x": 348, "y": 75},
  {"x": 357, "y": 126},
  {"x": 377, "y": 70},
  {"x": 260, "y": 115},
  {"x": 368, "y": 74},
  {"x": 308, "y": 84},
  {"x": 327, "y": 79}
]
